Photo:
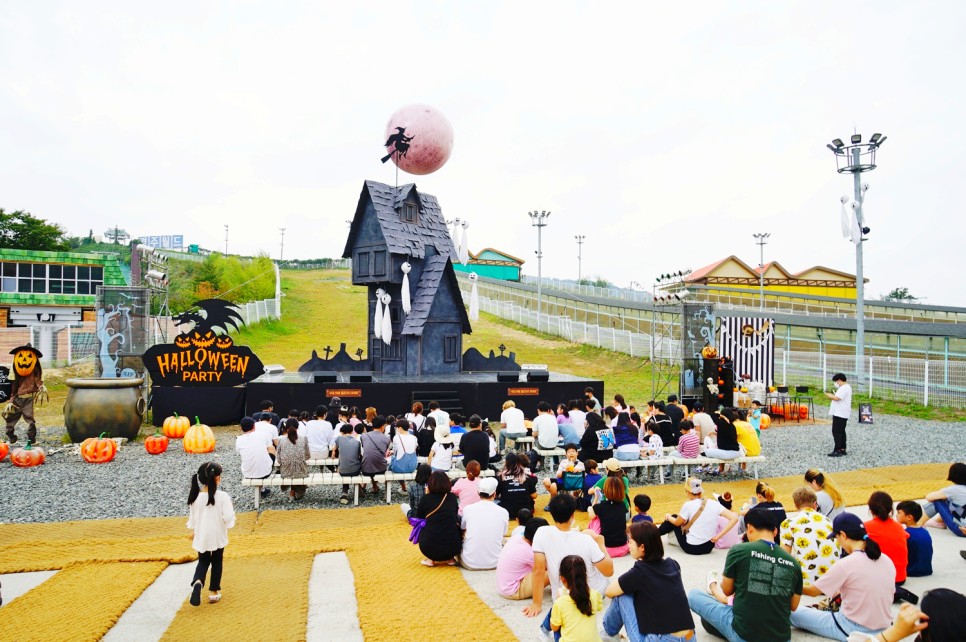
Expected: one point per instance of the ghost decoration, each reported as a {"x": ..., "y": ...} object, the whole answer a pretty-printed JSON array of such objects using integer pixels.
[
  {"x": 464, "y": 247},
  {"x": 456, "y": 235},
  {"x": 846, "y": 226},
  {"x": 407, "y": 305},
  {"x": 474, "y": 297},
  {"x": 386, "y": 320},
  {"x": 855, "y": 231},
  {"x": 377, "y": 319}
]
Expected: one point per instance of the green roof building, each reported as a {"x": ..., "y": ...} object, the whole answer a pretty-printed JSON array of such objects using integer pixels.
[{"x": 493, "y": 264}]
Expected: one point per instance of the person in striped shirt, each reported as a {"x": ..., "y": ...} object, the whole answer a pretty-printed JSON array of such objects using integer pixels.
[{"x": 689, "y": 444}]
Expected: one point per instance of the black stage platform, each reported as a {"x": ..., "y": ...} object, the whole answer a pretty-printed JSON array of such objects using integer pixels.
[{"x": 466, "y": 393}]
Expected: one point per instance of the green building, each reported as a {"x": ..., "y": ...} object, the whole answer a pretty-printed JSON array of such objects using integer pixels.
[{"x": 493, "y": 264}]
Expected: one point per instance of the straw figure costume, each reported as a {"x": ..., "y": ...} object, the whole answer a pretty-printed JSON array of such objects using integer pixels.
[{"x": 28, "y": 387}]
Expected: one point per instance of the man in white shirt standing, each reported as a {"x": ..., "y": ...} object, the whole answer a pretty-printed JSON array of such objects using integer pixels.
[
  {"x": 553, "y": 543},
  {"x": 840, "y": 410},
  {"x": 484, "y": 524},
  {"x": 256, "y": 455},
  {"x": 512, "y": 423}
]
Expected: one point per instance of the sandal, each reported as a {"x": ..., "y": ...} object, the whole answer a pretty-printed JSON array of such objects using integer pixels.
[
  {"x": 429, "y": 563},
  {"x": 214, "y": 597}
]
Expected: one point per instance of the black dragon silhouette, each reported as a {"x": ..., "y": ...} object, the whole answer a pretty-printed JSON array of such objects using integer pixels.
[{"x": 218, "y": 314}]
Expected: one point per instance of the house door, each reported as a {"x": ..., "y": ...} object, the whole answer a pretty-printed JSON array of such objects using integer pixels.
[{"x": 375, "y": 354}]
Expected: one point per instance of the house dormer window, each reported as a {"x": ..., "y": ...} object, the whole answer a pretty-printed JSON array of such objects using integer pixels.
[{"x": 409, "y": 213}]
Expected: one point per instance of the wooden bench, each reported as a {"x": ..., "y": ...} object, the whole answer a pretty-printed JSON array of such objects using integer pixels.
[
  {"x": 315, "y": 479},
  {"x": 518, "y": 441},
  {"x": 701, "y": 461},
  {"x": 643, "y": 464},
  {"x": 389, "y": 477}
]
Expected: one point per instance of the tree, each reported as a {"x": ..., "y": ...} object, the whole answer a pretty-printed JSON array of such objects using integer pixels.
[
  {"x": 23, "y": 231},
  {"x": 900, "y": 295}
]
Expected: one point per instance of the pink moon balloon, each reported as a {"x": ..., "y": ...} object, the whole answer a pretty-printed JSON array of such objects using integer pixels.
[{"x": 432, "y": 138}]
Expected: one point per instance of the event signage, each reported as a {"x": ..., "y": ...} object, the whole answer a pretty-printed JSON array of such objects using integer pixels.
[
  {"x": 201, "y": 357},
  {"x": 343, "y": 392},
  {"x": 522, "y": 392},
  {"x": 865, "y": 413},
  {"x": 164, "y": 241}
]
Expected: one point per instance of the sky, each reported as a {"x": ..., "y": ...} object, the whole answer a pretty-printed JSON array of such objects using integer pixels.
[{"x": 667, "y": 136}]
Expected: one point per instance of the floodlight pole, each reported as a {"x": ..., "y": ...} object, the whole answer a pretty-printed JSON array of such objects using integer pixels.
[
  {"x": 760, "y": 239},
  {"x": 226, "y": 240},
  {"x": 580, "y": 242},
  {"x": 539, "y": 221},
  {"x": 281, "y": 246},
  {"x": 859, "y": 277}
]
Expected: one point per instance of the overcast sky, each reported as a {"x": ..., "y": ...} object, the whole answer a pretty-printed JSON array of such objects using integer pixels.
[{"x": 666, "y": 136}]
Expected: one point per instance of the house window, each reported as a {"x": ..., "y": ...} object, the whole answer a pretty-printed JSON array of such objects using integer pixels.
[
  {"x": 451, "y": 348},
  {"x": 393, "y": 351},
  {"x": 362, "y": 264},
  {"x": 379, "y": 263},
  {"x": 409, "y": 213},
  {"x": 42, "y": 278}
]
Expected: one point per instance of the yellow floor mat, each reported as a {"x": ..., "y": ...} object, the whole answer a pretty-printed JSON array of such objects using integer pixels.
[
  {"x": 81, "y": 602},
  {"x": 263, "y": 599},
  {"x": 269, "y": 557}
]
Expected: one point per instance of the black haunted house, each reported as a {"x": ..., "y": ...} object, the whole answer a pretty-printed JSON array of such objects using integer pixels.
[{"x": 393, "y": 226}]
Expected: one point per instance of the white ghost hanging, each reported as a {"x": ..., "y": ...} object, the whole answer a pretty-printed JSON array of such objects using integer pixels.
[
  {"x": 456, "y": 235},
  {"x": 407, "y": 305},
  {"x": 377, "y": 318},
  {"x": 846, "y": 226},
  {"x": 464, "y": 247},
  {"x": 474, "y": 297},
  {"x": 386, "y": 320}
]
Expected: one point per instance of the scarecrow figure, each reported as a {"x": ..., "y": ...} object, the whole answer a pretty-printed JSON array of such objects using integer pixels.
[{"x": 28, "y": 386}]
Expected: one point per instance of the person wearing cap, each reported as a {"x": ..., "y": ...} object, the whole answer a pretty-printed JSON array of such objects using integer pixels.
[
  {"x": 441, "y": 454},
  {"x": 27, "y": 386},
  {"x": 613, "y": 468},
  {"x": 766, "y": 583},
  {"x": 863, "y": 579},
  {"x": 700, "y": 516},
  {"x": 484, "y": 524}
]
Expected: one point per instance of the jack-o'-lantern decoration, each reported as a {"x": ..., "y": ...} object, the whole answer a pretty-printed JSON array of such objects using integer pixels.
[
  {"x": 223, "y": 342},
  {"x": 176, "y": 426},
  {"x": 25, "y": 360},
  {"x": 200, "y": 340},
  {"x": 182, "y": 341},
  {"x": 28, "y": 456},
  {"x": 709, "y": 352},
  {"x": 156, "y": 443},
  {"x": 199, "y": 438},
  {"x": 99, "y": 450},
  {"x": 4, "y": 449}
]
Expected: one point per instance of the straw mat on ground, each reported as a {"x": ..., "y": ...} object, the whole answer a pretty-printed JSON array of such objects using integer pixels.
[
  {"x": 81, "y": 602},
  {"x": 273, "y": 552}
]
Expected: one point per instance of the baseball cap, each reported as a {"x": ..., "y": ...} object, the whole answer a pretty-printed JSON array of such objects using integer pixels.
[
  {"x": 487, "y": 486},
  {"x": 846, "y": 522},
  {"x": 612, "y": 464}
]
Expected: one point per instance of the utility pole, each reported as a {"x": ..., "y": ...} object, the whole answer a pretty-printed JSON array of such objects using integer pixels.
[
  {"x": 281, "y": 246},
  {"x": 539, "y": 221},
  {"x": 761, "y": 240},
  {"x": 226, "y": 240},
  {"x": 580, "y": 241}
]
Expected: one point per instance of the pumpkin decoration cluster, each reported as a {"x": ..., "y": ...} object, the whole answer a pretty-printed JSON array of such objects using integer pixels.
[
  {"x": 26, "y": 456},
  {"x": 197, "y": 438}
]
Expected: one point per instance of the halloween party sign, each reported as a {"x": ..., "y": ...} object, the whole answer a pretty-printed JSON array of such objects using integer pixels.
[{"x": 200, "y": 356}]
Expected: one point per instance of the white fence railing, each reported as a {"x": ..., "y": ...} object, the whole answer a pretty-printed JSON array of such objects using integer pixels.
[{"x": 924, "y": 381}]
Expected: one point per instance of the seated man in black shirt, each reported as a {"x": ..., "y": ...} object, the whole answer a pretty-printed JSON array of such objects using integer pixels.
[{"x": 475, "y": 444}]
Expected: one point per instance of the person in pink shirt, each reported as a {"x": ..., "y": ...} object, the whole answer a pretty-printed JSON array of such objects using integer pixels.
[
  {"x": 467, "y": 489},
  {"x": 689, "y": 444},
  {"x": 514, "y": 568}
]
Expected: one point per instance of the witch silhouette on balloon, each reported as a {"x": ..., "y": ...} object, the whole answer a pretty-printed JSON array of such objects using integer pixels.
[{"x": 399, "y": 144}]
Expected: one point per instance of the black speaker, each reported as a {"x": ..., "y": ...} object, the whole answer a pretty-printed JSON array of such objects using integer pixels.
[
  {"x": 538, "y": 375},
  {"x": 326, "y": 377},
  {"x": 360, "y": 377},
  {"x": 507, "y": 377}
]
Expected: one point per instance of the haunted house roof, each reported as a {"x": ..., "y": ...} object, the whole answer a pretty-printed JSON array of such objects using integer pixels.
[
  {"x": 403, "y": 238},
  {"x": 435, "y": 270}
]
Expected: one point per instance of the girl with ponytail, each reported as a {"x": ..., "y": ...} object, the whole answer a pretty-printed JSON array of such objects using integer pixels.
[
  {"x": 574, "y": 612},
  {"x": 863, "y": 579},
  {"x": 830, "y": 501},
  {"x": 209, "y": 516}
]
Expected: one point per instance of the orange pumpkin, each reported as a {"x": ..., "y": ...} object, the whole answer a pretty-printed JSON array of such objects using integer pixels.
[
  {"x": 98, "y": 450},
  {"x": 156, "y": 443},
  {"x": 709, "y": 352},
  {"x": 803, "y": 411},
  {"x": 27, "y": 456},
  {"x": 202, "y": 340},
  {"x": 4, "y": 449},
  {"x": 765, "y": 422},
  {"x": 176, "y": 426},
  {"x": 199, "y": 438},
  {"x": 24, "y": 362}
]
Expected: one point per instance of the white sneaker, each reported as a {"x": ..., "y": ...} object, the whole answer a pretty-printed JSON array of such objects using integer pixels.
[
  {"x": 672, "y": 540},
  {"x": 607, "y": 638},
  {"x": 713, "y": 578}
]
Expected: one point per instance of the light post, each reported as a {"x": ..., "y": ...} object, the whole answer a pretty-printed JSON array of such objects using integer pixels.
[
  {"x": 226, "y": 240},
  {"x": 539, "y": 221},
  {"x": 855, "y": 158},
  {"x": 281, "y": 246},
  {"x": 580, "y": 242},
  {"x": 761, "y": 239}
]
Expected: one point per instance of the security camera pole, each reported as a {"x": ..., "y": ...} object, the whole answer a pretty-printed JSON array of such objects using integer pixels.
[{"x": 854, "y": 159}]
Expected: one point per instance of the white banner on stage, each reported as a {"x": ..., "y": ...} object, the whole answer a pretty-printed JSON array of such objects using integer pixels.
[{"x": 750, "y": 343}]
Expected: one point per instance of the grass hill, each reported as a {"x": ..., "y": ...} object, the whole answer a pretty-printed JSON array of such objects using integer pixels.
[{"x": 322, "y": 308}]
